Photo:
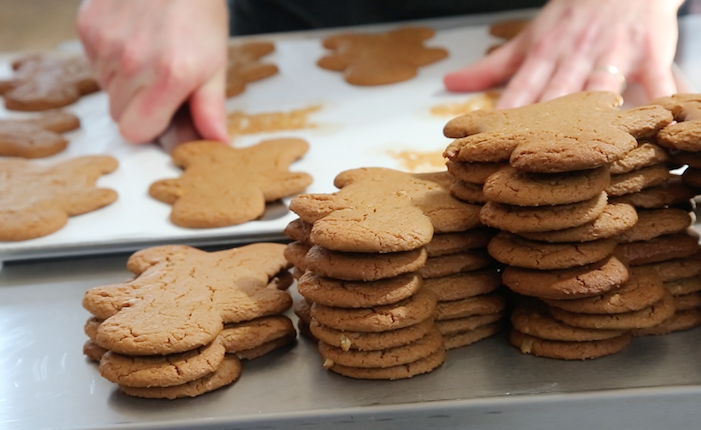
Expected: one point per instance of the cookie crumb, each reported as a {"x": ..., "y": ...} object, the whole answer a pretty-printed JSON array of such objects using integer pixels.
[
  {"x": 328, "y": 364},
  {"x": 345, "y": 343}
]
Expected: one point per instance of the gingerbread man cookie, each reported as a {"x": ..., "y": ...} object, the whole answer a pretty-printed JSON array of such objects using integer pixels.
[
  {"x": 37, "y": 200},
  {"x": 380, "y": 59},
  {"x": 36, "y": 137},
  {"x": 575, "y": 132},
  {"x": 244, "y": 66},
  {"x": 182, "y": 297},
  {"x": 684, "y": 134},
  {"x": 224, "y": 186},
  {"x": 384, "y": 210},
  {"x": 44, "y": 82}
]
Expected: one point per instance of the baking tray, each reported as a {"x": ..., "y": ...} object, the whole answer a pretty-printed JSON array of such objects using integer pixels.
[
  {"x": 355, "y": 127},
  {"x": 46, "y": 382}
]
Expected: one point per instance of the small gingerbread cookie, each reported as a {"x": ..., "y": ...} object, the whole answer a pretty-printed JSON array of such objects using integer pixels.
[
  {"x": 227, "y": 373},
  {"x": 522, "y": 219},
  {"x": 37, "y": 200},
  {"x": 224, "y": 186},
  {"x": 567, "y": 284},
  {"x": 384, "y": 210},
  {"x": 303, "y": 310},
  {"x": 638, "y": 180},
  {"x": 451, "y": 243},
  {"x": 463, "y": 285},
  {"x": 366, "y": 341},
  {"x": 670, "y": 193},
  {"x": 401, "y": 371},
  {"x": 486, "y": 304},
  {"x": 243, "y": 65},
  {"x": 680, "y": 268},
  {"x": 575, "y": 132},
  {"x": 687, "y": 302},
  {"x": 643, "y": 289},
  {"x": 614, "y": 220},
  {"x": 516, "y": 187},
  {"x": 645, "y": 155},
  {"x": 352, "y": 294},
  {"x": 683, "y": 286},
  {"x": 464, "y": 338},
  {"x": 381, "y": 318},
  {"x": 247, "y": 336},
  {"x": 644, "y": 318},
  {"x": 36, "y": 137},
  {"x": 468, "y": 192},
  {"x": 296, "y": 254},
  {"x": 446, "y": 265},
  {"x": 380, "y": 59},
  {"x": 661, "y": 248},
  {"x": 567, "y": 350},
  {"x": 509, "y": 28},
  {"x": 653, "y": 223},
  {"x": 299, "y": 231},
  {"x": 357, "y": 266},
  {"x": 684, "y": 133},
  {"x": 43, "y": 82},
  {"x": 513, "y": 250},
  {"x": 474, "y": 173},
  {"x": 683, "y": 320}
]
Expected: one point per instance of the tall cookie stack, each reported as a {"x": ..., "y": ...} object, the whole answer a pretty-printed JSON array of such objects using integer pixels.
[
  {"x": 180, "y": 327},
  {"x": 361, "y": 250},
  {"x": 663, "y": 239},
  {"x": 551, "y": 166}
]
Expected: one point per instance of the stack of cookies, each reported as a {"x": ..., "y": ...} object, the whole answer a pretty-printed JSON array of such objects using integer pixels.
[
  {"x": 362, "y": 251},
  {"x": 180, "y": 328},
  {"x": 548, "y": 167}
]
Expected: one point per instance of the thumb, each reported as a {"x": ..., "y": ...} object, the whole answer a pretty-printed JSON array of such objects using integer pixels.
[{"x": 208, "y": 110}]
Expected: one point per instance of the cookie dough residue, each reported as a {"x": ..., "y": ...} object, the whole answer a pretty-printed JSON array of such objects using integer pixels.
[
  {"x": 418, "y": 161},
  {"x": 239, "y": 122},
  {"x": 483, "y": 101}
]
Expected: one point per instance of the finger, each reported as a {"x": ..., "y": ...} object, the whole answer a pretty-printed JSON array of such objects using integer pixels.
[
  {"x": 150, "y": 110},
  {"x": 610, "y": 68},
  {"x": 122, "y": 89},
  {"x": 488, "y": 72},
  {"x": 572, "y": 71},
  {"x": 658, "y": 81},
  {"x": 208, "y": 109}
]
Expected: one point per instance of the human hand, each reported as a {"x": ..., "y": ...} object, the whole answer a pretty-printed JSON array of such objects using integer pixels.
[
  {"x": 153, "y": 56},
  {"x": 575, "y": 45}
]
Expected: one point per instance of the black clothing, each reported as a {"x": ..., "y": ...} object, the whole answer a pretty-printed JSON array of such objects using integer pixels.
[{"x": 269, "y": 16}]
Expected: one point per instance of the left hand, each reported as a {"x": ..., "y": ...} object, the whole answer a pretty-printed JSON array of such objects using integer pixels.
[{"x": 576, "y": 45}]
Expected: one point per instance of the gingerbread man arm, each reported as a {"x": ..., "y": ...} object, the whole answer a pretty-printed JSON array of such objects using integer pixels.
[{"x": 685, "y": 134}]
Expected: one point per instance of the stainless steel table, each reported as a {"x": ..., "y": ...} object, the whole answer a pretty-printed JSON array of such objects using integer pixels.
[{"x": 46, "y": 383}]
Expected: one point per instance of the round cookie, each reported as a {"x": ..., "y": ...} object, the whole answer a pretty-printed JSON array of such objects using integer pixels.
[
  {"x": 466, "y": 324},
  {"x": 533, "y": 319},
  {"x": 381, "y": 318},
  {"x": 646, "y": 154},
  {"x": 267, "y": 347},
  {"x": 683, "y": 286},
  {"x": 487, "y": 304},
  {"x": 356, "y": 266},
  {"x": 467, "y": 192},
  {"x": 451, "y": 243},
  {"x": 644, "y": 318},
  {"x": 681, "y": 320},
  {"x": 228, "y": 372},
  {"x": 614, "y": 220},
  {"x": 662, "y": 248},
  {"x": 464, "y": 338},
  {"x": 162, "y": 370},
  {"x": 637, "y": 180},
  {"x": 296, "y": 253},
  {"x": 670, "y": 193},
  {"x": 347, "y": 340},
  {"x": 402, "y": 371},
  {"x": 474, "y": 173},
  {"x": 396, "y": 356},
  {"x": 463, "y": 285},
  {"x": 692, "y": 177},
  {"x": 355, "y": 294},
  {"x": 513, "y": 250},
  {"x": 680, "y": 268},
  {"x": 687, "y": 302},
  {"x": 535, "y": 219},
  {"x": 656, "y": 222},
  {"x": 590, "y": 280},
  {"x": 299, "y": 231},
  {"x": 567, "y": 350},
  {"x": 252, "y": 334},
  {"x": 643, "y": 289},
  {"x": 446, "y": 265},
  {"x": 93, "y": 351},
  {"x": 515, "y": 187}
]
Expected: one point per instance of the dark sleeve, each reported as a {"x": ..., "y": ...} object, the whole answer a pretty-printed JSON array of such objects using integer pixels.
[{"x": 269, "y": 16}]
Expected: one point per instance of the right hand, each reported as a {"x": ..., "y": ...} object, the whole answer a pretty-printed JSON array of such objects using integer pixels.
[{"x": 153, "y": 56}]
